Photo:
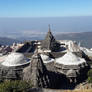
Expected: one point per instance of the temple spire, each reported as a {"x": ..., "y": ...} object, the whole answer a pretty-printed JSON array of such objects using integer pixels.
[
  {"x": 36, "y": 51},
  {"x": 49, "y": 42},
  {"x": 49, "y": 28},
  {"x": 36, "y": 72}
]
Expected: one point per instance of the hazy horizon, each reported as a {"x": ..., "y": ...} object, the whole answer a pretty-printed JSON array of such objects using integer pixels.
[{"x": 19, "y": 27}]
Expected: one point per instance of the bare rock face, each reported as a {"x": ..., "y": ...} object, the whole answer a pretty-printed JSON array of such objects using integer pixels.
[
  {"x": 50, "y": 43},
  {"x": 36, "y": 72}
]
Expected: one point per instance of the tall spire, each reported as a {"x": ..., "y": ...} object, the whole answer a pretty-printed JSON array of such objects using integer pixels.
[
  {"x": 36, "y": 72},
  {"x": 49, "y": 28},
  {"x": 49, "y": 43}
]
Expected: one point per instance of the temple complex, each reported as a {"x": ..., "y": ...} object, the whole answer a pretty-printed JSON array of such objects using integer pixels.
[{"x": 45, "y": 64}]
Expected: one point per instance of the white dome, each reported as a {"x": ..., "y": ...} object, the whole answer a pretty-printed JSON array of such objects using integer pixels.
[
  {"x": 70, "y": 59},
  {"x": 15, "y": 59},
  {"x": 46, "y": 59},
  {"x": 87, "y": 51}
]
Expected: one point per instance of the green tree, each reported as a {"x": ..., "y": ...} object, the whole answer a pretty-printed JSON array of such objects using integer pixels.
[{"x": 14, "y": 86}]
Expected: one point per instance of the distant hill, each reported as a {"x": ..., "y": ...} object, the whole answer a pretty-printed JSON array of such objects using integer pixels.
[
  {"x": 7, "y": 41},
  {"x": 85, "y": 38}
]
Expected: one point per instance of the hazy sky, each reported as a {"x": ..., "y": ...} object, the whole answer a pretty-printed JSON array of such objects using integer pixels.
[{"x": 45, "y": 8}]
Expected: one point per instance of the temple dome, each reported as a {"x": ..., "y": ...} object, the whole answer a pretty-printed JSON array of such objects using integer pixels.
[
  {"x": 46, "y": 59},
  {"x": 15, "y": 59},
  {"x": 88, "y": 52},
  {"x": 70, "y": 59}
]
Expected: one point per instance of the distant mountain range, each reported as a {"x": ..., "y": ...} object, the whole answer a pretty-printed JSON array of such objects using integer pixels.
[
  {"x": 85, "y": 38},
  {"x": 7, "y": 41}
]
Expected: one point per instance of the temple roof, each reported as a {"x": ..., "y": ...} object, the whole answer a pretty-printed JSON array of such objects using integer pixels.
[
  {"x": 46, "y": 58},
  {"x": 37, "y": 60},
  {"x": 35, "y": 72},
  {"x": 15, "y": 59},
  {"x": 26, "y": 48},
  {"x": 49, "y": 43},
  {"x": 87, "y": 51},
  {"x": 70, "y": 59},
  {"x": 36, "y": 63}
]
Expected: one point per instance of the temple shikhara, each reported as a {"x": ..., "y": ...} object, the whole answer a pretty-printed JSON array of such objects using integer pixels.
[{"x": 48, "y": 63}]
